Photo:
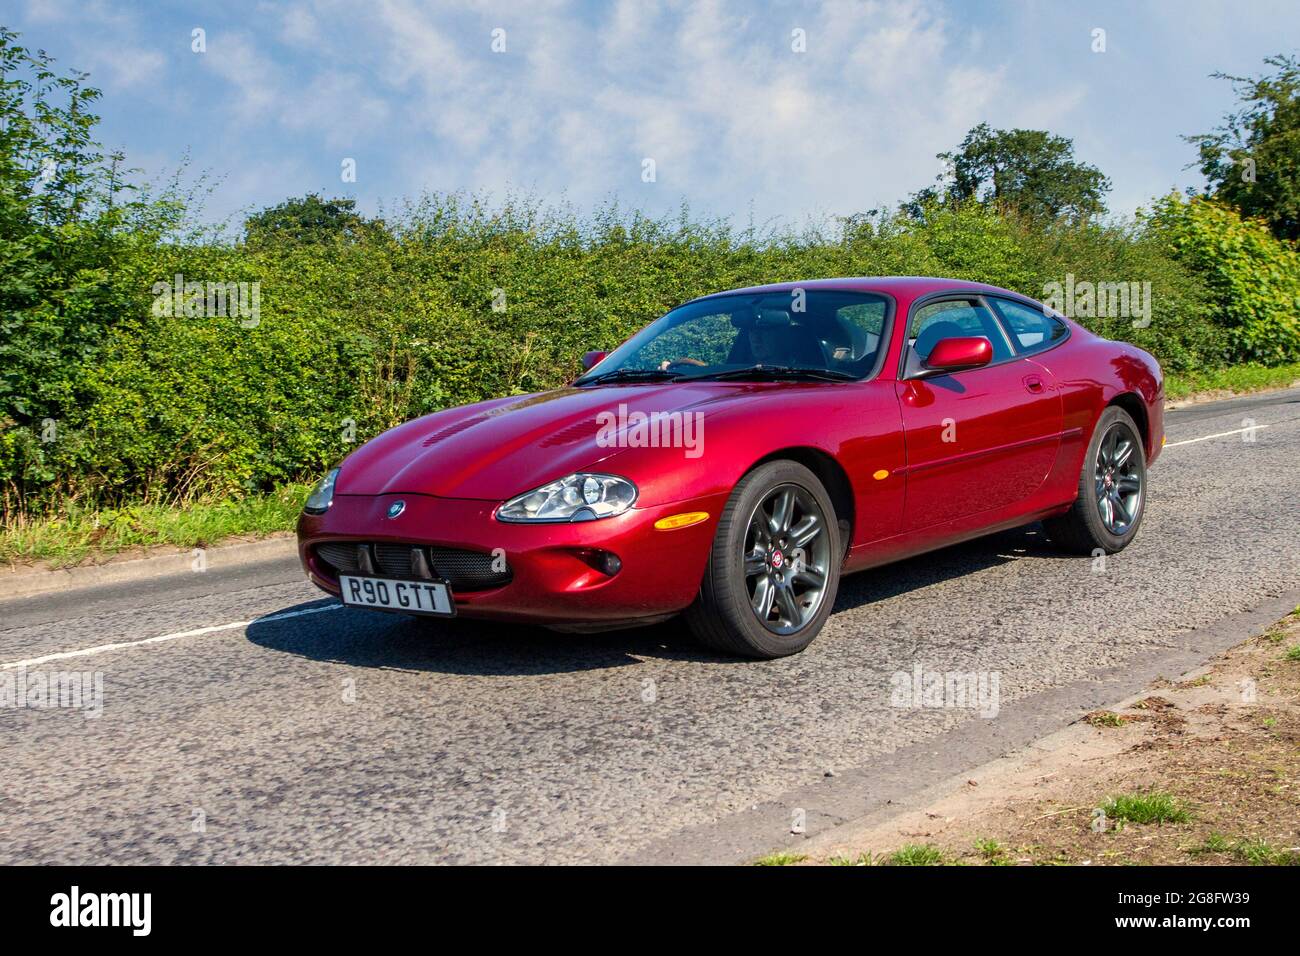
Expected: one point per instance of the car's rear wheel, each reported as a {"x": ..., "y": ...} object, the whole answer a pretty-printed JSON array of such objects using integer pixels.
[
  {"x": 774, "y": 566},
  {"x": 1112, "y": 490}
]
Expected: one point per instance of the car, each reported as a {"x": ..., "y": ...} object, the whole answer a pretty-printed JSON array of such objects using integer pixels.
[{"x": 737, "y": 456}]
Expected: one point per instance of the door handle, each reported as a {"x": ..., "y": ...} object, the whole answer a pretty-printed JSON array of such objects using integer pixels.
[{"x": 1034, "y": 384}]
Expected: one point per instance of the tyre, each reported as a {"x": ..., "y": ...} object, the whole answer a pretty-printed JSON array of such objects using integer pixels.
[
  {"x": 774, "y": 566},
  {"x": 1112, "y": 490}
]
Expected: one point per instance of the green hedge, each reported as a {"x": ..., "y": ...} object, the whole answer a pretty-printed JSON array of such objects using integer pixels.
[{"x": 395, "y": 321}]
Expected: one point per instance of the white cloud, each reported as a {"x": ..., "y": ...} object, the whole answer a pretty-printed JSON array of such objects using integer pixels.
[
  {"x": 126, "y": 68},
  {"x": 712, "y": 91},
  {"x": 300, "y": 27},
  {"x": 259, "y": 85}
]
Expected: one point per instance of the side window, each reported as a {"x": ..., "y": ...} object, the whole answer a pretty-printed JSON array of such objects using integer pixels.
[
  {"x": 955, "y": 318},
  {"x": 1031, "y": 330}
]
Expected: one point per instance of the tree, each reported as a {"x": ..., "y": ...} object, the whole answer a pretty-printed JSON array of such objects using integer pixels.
[
  {"x": 309, "y": 219},
  {"x": 1252, "y": 161},
  {"x": 66, "y": 221},
  {"x": 68, "y": 225},
  {"x": 1028, "y": 170}
]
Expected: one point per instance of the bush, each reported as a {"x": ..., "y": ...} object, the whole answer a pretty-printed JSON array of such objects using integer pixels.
[
  {"x": 361, "y": 329},
  {"x": 1253, "y": 279}
]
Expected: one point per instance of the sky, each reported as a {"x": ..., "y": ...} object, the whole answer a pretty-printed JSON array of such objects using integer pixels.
[{"x": 566, "y": 101}]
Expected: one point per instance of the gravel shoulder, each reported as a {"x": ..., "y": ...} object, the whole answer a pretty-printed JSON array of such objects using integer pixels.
[{"x": 1222, "y": 744}]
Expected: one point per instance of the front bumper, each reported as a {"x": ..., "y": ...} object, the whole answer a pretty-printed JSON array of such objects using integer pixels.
[{"x": 553, "y": 577}]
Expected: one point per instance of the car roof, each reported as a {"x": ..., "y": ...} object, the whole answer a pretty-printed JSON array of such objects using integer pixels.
[{"x": 900, "y": 287}]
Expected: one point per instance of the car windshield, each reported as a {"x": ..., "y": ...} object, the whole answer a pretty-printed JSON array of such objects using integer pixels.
[{"x": 837, "y": 334}]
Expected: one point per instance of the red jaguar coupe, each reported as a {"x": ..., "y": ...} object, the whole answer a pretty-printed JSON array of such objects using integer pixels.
[{"x": 735, "y": 457}]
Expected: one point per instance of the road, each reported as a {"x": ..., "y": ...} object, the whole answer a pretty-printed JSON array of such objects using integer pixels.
[{"x": 245, "y": 719}]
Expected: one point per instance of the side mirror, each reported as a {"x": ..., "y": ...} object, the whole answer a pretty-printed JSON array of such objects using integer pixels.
[
  {"x": 956, "y": 354},
  {"x": 591, "y": 359}
]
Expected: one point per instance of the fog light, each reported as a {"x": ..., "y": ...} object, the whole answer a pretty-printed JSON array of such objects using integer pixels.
[{"x": 606, "y": 562}]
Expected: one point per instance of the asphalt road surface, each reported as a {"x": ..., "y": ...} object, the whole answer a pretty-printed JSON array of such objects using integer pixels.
[{"x": 245, "y": 719}]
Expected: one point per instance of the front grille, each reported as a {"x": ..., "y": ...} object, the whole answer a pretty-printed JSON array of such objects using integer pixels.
[
  {"x": 394, "y": 559},
  {"x": 463, "y": 570}
]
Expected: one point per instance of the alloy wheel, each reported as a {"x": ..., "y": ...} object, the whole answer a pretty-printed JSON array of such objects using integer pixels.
[
  {"x": 1118, "y": 479},
  {"x": 787, "y": 558}
]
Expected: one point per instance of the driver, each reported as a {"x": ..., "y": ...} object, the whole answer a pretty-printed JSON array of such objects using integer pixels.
[{"x": 766, "y": 345}]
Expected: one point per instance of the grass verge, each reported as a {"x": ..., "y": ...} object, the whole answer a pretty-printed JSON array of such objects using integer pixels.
[
  {"x": 78, "y": 535},
  {"x": 1237, "y": 378}
]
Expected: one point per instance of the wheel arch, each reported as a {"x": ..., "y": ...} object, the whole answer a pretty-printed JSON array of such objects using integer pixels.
[{"x": 1137, "y": 410}]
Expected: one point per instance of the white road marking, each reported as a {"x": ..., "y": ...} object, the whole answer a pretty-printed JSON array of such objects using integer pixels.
[
  {"x": 1193, "y": 441},
  {"x": 101, "y": 648}
]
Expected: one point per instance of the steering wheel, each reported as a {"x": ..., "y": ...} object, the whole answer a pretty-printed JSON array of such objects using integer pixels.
[{"x": 667, "y": 365}]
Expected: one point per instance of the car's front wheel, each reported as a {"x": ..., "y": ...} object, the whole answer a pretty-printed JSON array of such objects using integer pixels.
[{"x": 774, "y": 567}]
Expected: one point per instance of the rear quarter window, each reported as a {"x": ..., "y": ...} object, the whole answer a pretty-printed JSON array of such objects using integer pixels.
[{"x": 1031, "y": 330}]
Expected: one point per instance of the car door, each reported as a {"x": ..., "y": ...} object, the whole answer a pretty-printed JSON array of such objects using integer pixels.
[{"x": 978, "y": 440}]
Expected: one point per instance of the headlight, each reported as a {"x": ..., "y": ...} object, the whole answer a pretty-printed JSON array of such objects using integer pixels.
[
  {"x": 322, "y": 496},
  {"x": 580, "y": 497}
]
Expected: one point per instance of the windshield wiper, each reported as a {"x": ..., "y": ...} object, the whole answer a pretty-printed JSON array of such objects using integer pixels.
[
  {"x": 775, "y": 372},
  {"x": 632, "y": 375}
]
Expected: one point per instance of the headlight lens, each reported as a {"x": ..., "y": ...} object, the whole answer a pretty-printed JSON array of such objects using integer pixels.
[
  {"x": 578, "y": 497},
  {"x": 322, "y": 496}
]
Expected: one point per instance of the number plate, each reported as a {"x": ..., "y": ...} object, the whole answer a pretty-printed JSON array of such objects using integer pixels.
[{"x": 388, "y": 594}]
